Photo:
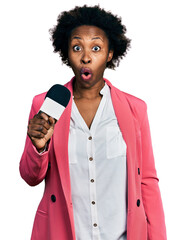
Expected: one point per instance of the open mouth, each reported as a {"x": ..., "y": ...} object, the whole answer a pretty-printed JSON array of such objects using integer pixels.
[{"x": 86, "y": 74}]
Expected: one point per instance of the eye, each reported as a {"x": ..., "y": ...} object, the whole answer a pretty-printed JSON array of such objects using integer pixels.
[
  {"x": 76, "y": 48},
  {"x": 96, "y": 48}
]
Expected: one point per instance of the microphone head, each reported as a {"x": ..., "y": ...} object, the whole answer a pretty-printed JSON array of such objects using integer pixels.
[{"x": 56, "y": 100}]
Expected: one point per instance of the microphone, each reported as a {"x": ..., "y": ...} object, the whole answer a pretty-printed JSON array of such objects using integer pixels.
[{"x": 56, "y": 100}]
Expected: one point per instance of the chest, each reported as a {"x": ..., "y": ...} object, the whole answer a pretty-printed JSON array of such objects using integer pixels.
[{"x": 88, "y": 109}]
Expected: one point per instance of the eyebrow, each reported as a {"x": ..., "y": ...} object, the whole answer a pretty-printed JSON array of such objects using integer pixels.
[{"x": 91, "y": 39}]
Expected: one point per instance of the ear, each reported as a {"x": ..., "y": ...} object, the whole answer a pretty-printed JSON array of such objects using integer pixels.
[{"x": 110, "y": 55}]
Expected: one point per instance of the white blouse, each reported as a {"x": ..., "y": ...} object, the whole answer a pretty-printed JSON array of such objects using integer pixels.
[{"x": 97, "y": 160}]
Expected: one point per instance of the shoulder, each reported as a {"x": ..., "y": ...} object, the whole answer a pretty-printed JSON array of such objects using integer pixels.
[
  {"x": 135, "y": 102},
  {"x": 38, "y": 101},
  {"x": 137, "y": 106}
]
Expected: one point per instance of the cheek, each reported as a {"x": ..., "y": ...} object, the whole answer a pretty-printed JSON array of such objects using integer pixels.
[
  {"x": 101, "y": 56},
  {"x": 100, "y": 61},
  {"x": 71, "y": 58}
]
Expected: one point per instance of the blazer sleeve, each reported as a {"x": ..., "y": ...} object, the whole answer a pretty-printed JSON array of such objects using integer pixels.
[
  {"x": 150, "y": 189},
  {"x": 33, "y": 165}
]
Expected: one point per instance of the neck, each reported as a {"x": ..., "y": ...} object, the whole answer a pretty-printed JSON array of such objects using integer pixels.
[{"x": 92, "y": 92}]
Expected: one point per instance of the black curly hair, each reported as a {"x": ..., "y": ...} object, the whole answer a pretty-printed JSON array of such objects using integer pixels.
[{"x": 94, "y": 16}]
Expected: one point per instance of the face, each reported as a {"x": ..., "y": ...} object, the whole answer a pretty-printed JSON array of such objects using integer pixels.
[{"x": 88, "y": 54}]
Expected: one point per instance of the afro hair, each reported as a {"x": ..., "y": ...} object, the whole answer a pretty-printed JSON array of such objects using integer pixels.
[{"x": 93, "y": 16}]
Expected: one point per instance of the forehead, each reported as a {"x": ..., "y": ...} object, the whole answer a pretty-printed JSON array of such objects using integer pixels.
[{"x": 88, "y": 31}]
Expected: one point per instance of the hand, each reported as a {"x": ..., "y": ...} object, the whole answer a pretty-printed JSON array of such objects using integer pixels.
[{"x": 40, "y": 130}]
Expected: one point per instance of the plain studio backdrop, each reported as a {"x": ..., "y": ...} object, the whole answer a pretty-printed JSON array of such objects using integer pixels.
[{"x": 153, "y": 70}]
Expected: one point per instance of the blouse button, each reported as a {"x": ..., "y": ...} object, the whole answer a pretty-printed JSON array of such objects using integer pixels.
[
  {"x": 90, "y": 138},
  {"x": 95, "y": 225},
  {"x": 90, "y": 158},
  {"x": 93, "y": 202},
  {"x": 92, "y": 180}
]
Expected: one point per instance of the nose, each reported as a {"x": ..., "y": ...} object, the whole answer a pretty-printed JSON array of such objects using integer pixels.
[{"x": 86, "y": 58}]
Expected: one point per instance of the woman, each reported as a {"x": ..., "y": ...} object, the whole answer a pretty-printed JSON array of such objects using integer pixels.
[{"x": 97, "y": 160}]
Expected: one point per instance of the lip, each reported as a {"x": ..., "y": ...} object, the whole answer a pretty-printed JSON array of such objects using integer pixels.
[
  {"x": 83, "y": 70},
  {"x": 86, "y": 77}
]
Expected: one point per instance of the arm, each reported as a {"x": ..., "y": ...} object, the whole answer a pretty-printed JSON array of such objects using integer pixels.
[
  {"x": 150, "y": 190},
  {"x": 33, "y": 165}
]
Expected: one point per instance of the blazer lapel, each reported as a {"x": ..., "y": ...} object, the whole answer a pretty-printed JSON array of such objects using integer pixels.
[
  {"x": 60, "y": 138},
  {"x": 126, "y": 123}
]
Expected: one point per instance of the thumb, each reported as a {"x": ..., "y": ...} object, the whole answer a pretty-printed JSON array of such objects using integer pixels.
[{"x": 52, "y": 121}]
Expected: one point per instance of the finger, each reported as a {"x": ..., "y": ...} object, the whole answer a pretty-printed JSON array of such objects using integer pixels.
[
  {"x": 44, "y": 116},
  {"x": 41, "y": 115},
  {"x": 52, "y": 121},
  {"x": 39, "y": 121},
  {"x": 36, "y": 134},
  {"x": 39, "y": 128}
]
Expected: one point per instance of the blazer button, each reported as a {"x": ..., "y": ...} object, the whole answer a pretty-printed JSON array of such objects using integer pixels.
[
  {"x": 53, "y": 198},
  {"x": 49, "y": 165},
  {"x": 138, "y": 171},
  {"x": 138, "y": 202}
]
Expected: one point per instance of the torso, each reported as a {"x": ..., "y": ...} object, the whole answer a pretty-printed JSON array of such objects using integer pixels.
[{"x": 88, "y": 108}]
